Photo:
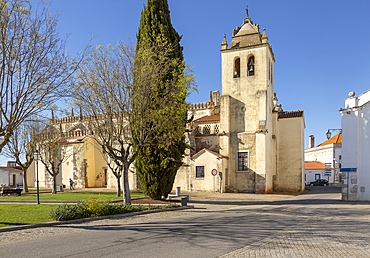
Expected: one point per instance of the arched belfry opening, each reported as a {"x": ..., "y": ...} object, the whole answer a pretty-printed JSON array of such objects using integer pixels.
[
  {"x": 237, "y": 67},
  {"x": 251, "y": 66}
]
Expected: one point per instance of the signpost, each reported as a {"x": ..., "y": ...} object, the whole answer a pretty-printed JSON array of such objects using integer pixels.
[
  {"x": 348, "y": 170},
  {"x": 327, "y": 170},
  {"x": 214, "y": 172}
]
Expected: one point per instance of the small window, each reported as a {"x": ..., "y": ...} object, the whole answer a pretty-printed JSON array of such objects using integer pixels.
[
  {"x": 243, "y": 160},
  {"x": 251, "y": 66},
  {"x": 198, "y": 130},
  {"x": 216, "y": 129},
  {"x": 237, "y": 68},
  {"x": 317, "y": 176},
  {"x": 207, "y": 130},
  {"x": 199, "y": 171}
]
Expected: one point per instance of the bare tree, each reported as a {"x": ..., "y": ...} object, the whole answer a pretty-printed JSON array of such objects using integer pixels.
[
  {"x": 117, "y": 87},
  {"x": 22, "y": 145},
  {"x": 34, "y": 65},
  {"x": 54, "y": 150}
]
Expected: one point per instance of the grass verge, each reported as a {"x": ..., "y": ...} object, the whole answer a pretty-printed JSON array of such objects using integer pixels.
[
  {"x": 24, "y": 214},
  {"x": 70, "y": 196}
]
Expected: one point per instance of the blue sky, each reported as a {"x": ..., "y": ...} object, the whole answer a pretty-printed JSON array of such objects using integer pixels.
[{"x": 320, "y": 46}]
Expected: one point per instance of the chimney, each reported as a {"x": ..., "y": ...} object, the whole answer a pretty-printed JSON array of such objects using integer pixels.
[{"x": 311, "y": 141}]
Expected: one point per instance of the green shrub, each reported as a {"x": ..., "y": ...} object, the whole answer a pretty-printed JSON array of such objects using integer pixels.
[
  {"x": 95, "y": 207},
  {"x": 91, "y": 208},
  {"x": 70, "y": 212}
]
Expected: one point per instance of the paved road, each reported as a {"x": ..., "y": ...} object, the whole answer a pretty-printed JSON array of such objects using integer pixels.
[{"x": 316, "y": 224}]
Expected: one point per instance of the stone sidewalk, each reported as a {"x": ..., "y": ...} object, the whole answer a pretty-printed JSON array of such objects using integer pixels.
[{"x": 341, "y": 229}]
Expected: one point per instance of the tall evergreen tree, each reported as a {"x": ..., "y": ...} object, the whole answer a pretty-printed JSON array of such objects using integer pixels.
[
  {"x": 155, "y": 24},
  {"x": 158, "y": 162}
]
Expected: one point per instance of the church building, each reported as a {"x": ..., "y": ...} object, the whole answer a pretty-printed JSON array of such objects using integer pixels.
[{"x": 243, "y": 141}]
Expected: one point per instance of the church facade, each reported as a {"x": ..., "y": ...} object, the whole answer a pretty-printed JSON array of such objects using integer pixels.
[{"x": 242, "y": 140}]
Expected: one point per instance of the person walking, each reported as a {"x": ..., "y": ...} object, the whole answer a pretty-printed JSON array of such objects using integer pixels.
[{"x": 71, "y": 184}]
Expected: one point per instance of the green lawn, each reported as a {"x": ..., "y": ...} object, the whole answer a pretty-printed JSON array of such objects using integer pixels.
[
  {"x": 24, "y": 214},
  {"x": 71, "y": 196}
]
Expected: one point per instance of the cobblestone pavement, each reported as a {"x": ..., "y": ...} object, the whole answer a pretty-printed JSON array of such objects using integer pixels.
[
  {"x": 321, "y": 227},
  {"x": 339, "y": 229}
]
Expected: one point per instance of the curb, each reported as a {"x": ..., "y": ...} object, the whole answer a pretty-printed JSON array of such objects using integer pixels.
[{"x": 56, "y": 223}]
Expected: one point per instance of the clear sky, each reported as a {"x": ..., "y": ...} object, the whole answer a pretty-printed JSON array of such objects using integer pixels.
[{"x": 320, "y": 46}]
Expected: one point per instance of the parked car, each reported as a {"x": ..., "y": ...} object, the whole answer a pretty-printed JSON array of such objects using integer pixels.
[{"x": 321, "y": 182}]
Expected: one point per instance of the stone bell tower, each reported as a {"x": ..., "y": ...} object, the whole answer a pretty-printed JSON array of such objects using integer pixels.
[{"x": 246, "y": 110}]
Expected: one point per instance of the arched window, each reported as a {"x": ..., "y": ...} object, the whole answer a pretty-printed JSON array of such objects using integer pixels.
[
  {"x": 237, "y": 68},
  {"x": 251, "y": 66}
]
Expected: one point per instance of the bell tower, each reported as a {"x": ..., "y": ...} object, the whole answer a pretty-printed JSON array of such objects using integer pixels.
[{"x": 246, "y": 109}]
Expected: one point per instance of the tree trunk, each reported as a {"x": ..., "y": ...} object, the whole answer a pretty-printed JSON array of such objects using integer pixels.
[
  {"x": 54, "y": 190},
  {"x": 25, "y": 186},
  {"x": 126, "y": 187},
  {"x": 118, "y": 186}
]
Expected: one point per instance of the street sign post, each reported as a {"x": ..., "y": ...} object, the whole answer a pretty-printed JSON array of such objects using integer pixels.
[
  {"x": 327, "y": 170},
  {"x": 348, "y": 170},
  {"x": 214, "y": 172}
]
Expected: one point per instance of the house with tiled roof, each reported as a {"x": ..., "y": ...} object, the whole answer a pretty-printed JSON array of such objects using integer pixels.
[
  {"x": 328, "y": 152},
  {"x": 244, "y": 134},
  {"x": 11, "y": 175},
  {"x": 316, "y": 170}
]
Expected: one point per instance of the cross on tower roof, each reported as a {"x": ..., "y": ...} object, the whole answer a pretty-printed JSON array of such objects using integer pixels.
[{"x": 247, "y": 11}]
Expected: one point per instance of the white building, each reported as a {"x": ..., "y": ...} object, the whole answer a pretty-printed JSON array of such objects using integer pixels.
[
  {"x": 329, "y": 153},
  {"x": 356, "y": 147},
  {"x": 11, "y": 175},
  {"x": 317, "y": 170}
]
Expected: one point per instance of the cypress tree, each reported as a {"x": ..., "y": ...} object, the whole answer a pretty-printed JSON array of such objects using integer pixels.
[
  {"x": 155, "y": 22},
  {"x": 159, "y": 160}
]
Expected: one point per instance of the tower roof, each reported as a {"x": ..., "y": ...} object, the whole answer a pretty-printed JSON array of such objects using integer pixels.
[
  {"x": 246, "y": 29},
  {"x": 246, "y": 35}
]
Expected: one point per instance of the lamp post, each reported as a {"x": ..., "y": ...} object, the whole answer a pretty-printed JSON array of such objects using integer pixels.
[
  {"x": 36, "y": 157},
  {"x": 328, "y": 135}
]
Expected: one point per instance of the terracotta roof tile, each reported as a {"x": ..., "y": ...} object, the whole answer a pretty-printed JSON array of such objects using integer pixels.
[
  {"x": 10, "y": 169},
  {"x": 208, "y": 118},
  {"x": 314, "y": 165},
  {"x": 291, "y": 114},
  {"x": 204, "y": 150},
  {"x": 335, "y": 139}
]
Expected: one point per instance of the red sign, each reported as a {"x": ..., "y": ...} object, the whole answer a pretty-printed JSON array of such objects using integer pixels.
[{"x": 214, "y": 172}]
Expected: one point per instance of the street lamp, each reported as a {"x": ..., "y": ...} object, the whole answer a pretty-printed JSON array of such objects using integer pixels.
[
  {"x": 328, "y": 134},
  {"x": 36, "y": 157}
]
